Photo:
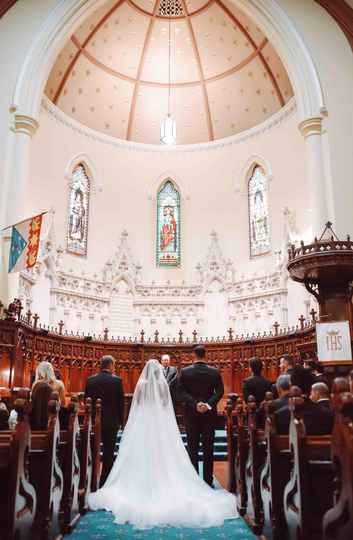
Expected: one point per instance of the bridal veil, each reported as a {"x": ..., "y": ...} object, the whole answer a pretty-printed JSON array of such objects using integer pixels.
[{"x": 153, "y": 482}]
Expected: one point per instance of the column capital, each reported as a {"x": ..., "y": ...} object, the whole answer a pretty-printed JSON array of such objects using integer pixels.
[
  {"x": 311, "y": 126},
  {"x": 25, "y": 124}
]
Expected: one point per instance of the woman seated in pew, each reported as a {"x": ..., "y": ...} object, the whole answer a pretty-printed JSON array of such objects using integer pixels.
[
  {"x": 317, "y": 419},
  {"x": 45, "y": 373},
  {"x": 43, "y": 387}
]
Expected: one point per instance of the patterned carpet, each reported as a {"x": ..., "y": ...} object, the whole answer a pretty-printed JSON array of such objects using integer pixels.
[{"x": 100, "y": 525}]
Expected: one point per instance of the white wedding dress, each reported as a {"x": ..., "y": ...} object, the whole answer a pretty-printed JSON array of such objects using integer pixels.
[{"x": 153, "y": 482}]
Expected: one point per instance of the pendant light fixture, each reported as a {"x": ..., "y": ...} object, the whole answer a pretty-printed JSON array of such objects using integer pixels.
[{"x": 168, "y": 125}]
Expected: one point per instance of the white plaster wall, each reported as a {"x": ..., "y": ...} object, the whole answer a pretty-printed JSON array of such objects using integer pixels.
[
  {"x": 213, "y": 189},
  {"x": 17, "y": 29},
  {"x": 333, "y": 58},
  {"x": 214, "y": 197}
]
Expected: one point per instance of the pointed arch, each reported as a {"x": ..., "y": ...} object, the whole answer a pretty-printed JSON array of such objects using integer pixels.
[
  {"x": 168, "y": 225},
  {"x": 78, "y": 209},
  {"x": 258, "y": 208},
  {"x": 96, "y": 184}
]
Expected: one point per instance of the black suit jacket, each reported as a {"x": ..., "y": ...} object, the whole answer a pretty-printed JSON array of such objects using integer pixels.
[
  {"x": 317, "y": 420},
  {"x": 4, "y": 416},
  {"x": 325, "y": 404},
  {"x": 109, "y": 389},
  {"x": 171, "y": 374},
  {"x": 256, "y": 386},
  {"x": 280, "y": 402},
  {"x": 200, "y": 382}
]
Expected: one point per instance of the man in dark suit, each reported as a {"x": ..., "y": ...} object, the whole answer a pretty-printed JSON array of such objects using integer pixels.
[
  {"x": 317, "y": 420},
  {"x": 286, "y": 364},
  {"x": 200, "y": 387},
  {"x": 320, "y": 394},
  {"x": 256, "y": 385},
  {"x": 171, "y": 375},
  {"x": 108, "y": 387},
  {"x": 170, "y": 372},
  {"x": 317, "y": 372},
  {"x": 283, "y": 387}
]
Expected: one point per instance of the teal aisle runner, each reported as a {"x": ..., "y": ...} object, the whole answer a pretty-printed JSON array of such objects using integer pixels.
[{"x": 100, "y": 525}]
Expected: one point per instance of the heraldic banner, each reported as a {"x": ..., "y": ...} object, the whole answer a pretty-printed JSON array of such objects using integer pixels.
[{"x": 25, "y": 239}]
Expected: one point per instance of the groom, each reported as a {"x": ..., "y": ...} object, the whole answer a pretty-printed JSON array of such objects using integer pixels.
[{"x": 200, "y": 388}]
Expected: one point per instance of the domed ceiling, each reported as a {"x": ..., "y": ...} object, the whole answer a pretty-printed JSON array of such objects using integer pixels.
[{"x": 112, "y": 74}]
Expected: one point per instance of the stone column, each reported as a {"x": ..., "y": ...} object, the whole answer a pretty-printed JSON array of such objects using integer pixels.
[
  {"x": 311, "y": 129},
  {"x": 15, "y": 190}
]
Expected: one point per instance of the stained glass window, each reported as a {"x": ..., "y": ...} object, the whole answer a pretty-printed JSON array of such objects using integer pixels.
[
  {"x": 258, "y": 213},
  {"x": 168, "y": 225},
  {"x": 77, "y": 228}
]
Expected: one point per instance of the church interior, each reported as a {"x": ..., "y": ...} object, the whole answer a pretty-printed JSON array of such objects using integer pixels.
[{"x": 178, "y": 174}]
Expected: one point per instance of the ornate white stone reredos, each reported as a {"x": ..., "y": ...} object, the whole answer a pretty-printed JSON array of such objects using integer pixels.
[
  {"x": 122, "y": 266},
  {"x": 215, "y": 266}
]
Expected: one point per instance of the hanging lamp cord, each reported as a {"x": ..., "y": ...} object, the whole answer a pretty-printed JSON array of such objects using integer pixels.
[{"x": 169, "y": 64}]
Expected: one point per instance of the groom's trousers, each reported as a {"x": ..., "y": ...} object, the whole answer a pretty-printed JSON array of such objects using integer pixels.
[
  {"x": 201, "y": 428},
  {"x": 109, "y": 435}
]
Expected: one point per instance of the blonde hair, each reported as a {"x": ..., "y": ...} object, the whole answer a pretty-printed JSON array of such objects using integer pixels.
[{"x": 45, "y": 372}]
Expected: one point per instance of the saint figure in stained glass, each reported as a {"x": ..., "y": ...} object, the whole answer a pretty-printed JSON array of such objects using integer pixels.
[
  {"x": 258, "y": 213},
  {"x": 168, "y": 225},
  {"x": 78, "y": 211}
]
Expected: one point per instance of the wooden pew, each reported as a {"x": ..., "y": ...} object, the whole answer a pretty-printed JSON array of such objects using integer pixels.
[
  {"x": 85, "y": 455},
  {"x": 255, "y": 461},
  {"x": 70, "y": 465},
  {"x": 231, "y": 441},
  {"x": 241, "y": 457},
  {"x": 309, "y": 492},
  {"x": 18, "y": 499},
  {"x": 46, "y": 476},
  {"x": 274, "y": 477},
  {"x": 96, "y": 439},
  {"x": 338, "y": 521}
]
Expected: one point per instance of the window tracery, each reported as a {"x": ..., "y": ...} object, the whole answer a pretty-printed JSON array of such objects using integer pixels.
[
  {"x": 259, "y": 229},
  {"x": 77, "y": 226}
]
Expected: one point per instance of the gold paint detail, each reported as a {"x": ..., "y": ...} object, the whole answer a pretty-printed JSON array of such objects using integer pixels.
[
  {"x": 25, "y": 124},
  {"x": 311, "y": 126}
]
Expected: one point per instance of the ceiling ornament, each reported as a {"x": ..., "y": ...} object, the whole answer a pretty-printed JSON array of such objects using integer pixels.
[{"x": 170, "y": 8}]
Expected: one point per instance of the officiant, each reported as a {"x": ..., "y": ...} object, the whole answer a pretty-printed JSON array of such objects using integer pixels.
[{"x": 170, "y": 373}]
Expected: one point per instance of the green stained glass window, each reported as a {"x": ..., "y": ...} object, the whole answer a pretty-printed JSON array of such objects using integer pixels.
[
  {"x": 259, "y": 228},
  {"x": 168, "y": 225}
]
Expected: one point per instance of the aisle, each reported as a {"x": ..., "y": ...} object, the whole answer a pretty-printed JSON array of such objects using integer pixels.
[{"x": 100, "y": 525}]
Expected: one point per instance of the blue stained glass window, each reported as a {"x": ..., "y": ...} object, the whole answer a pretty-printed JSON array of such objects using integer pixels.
[
  {"x": 259, "y": 227},
  {"x": 168, "y": 225},
  {"x": 77, "y": 227}
]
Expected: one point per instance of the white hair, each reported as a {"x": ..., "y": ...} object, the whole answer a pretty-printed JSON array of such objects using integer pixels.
[
  {"x": 165, "y": 356},
  {"x": 45, "y": 372}
]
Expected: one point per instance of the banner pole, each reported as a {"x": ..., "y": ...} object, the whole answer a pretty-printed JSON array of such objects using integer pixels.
[{"x": 27, "y": 219}]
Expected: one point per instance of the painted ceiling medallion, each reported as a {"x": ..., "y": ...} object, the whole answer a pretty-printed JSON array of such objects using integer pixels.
[{"x": 217, "y": 54}]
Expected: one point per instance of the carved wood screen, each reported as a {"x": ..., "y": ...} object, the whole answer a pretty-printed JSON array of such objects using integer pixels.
[{"x": 22, "y": 346}]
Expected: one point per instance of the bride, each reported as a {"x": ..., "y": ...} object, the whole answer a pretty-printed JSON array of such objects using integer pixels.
[{"x": 153, "y": 482}]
